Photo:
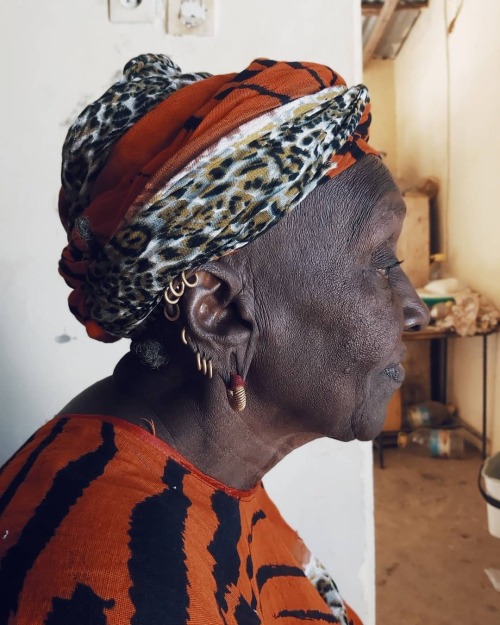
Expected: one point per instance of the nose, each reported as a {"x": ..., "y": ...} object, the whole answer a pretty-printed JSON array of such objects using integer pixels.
[{"x": 415, "y": 312}]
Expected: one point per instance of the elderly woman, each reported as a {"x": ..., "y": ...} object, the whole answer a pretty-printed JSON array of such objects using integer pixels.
[{"x": 242, "y": 233}]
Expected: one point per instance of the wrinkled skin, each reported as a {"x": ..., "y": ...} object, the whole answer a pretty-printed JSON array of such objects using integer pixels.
[
  {"x": 332, "y": 314},
  {"x": 311, "y": 314}
]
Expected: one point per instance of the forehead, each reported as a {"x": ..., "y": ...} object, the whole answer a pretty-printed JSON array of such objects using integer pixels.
[
  {"x": 377, "y": 223},
  {"x": 386, "y": 209},
  {"x": 371, "y": 188},
  {"x": 355, "y": 210},
  {"x": 363, "y": 201}
]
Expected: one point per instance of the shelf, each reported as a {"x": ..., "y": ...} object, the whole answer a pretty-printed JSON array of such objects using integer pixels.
[{"x": 437, "y": 333}]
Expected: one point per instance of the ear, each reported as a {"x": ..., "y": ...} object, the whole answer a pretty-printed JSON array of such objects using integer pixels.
[{"x": 219, "y": 316}]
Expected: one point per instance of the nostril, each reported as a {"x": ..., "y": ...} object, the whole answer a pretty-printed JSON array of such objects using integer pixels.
[
  {"x": 416, "y": 316},
  {"x": 415, "y": 313},
  {"x": 414, "y": 328}
]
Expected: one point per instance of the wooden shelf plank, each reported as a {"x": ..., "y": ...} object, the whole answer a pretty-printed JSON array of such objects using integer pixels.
[
  {"x": 379, "y": 29},
  {"x": 436, "y": 333},
  {"x": 367, "y": 8}
]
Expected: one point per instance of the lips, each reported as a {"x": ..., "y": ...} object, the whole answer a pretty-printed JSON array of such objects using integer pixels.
[{"x": 395, "y": 372}]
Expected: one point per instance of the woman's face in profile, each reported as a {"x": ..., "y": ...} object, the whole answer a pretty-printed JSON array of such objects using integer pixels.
[{"x": 335, "y": 306}]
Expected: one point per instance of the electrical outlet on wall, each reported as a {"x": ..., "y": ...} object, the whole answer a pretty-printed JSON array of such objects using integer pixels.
[
  {"x": 132, "y": 10},
  {"x": 191, "y": 17}
]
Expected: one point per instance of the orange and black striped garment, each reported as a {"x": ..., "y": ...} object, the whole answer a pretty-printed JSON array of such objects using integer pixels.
[{"x": 101, "y": 523}]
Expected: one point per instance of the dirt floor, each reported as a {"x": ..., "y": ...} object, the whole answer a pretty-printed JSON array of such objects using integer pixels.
[{"x": 433, "y": 543}]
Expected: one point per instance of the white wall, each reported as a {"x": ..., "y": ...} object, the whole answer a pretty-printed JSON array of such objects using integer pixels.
[
  {"x": 56, "y": 57},
  {"x": 446, "y": 101},
  {"x": 314, "y": 488},
  {"x": 378, "y": 76}
]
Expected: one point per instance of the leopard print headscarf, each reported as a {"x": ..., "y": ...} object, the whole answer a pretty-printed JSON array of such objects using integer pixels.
[{"x": 166, "y": 171}]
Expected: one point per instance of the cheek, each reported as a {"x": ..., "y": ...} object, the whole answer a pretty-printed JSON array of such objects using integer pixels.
[{"x": 369, "y": 322}]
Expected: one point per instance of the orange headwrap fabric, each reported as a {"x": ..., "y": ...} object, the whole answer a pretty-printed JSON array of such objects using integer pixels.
[{"x": 202, "y": 166}]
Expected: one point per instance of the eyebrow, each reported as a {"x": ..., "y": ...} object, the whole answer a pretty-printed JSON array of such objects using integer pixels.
[{"x": 386, "y": 208}]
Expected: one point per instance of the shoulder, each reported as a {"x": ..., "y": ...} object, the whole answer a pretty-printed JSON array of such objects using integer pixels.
[{"x": 100, "y": 398}]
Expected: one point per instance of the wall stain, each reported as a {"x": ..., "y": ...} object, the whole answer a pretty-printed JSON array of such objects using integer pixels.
[{"x": 64, "y": 338}]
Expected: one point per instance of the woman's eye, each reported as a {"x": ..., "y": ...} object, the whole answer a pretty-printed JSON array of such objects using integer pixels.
[{"x": 386, "y": 270}]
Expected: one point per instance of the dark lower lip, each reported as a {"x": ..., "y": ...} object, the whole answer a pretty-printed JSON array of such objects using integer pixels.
[{"x": 395, "y": 373}]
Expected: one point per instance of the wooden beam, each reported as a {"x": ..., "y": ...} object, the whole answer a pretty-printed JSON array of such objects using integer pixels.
[
  {"x": 378, "y": 31},
  {"x": 367, "y": 8}
]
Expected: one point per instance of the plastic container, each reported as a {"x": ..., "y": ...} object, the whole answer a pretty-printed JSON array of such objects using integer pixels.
[
  {"x": 428, "y": 414},
  {"x": 435, "y": 443},
  {"x": 436, "y": 267},
  {"x": 490, "y": 472}
]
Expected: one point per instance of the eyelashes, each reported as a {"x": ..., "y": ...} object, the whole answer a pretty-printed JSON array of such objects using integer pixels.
[{"x": 385, "y": 271}]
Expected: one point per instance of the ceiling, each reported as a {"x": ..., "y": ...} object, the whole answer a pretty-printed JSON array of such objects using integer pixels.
[{"x": 386, "y": 25}]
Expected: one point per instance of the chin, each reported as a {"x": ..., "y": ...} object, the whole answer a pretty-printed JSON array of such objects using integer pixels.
[
  {"x": 369, "y": 421},
  {"x": 369, "y": 417},
  {"x": 367, "y": 435}
]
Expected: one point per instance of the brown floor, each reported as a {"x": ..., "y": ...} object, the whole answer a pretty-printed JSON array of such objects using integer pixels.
[{"x": 432, "y": 543}]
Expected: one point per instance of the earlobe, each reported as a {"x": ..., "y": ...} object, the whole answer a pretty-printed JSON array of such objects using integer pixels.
[{"x": 219, "y": 319}]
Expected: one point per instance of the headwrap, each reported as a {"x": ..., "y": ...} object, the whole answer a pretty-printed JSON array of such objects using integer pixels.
[{"x": 167, "y": 171}]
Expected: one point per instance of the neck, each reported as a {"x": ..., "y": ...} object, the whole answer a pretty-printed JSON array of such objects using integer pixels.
[{"x": 191, "y": 414}]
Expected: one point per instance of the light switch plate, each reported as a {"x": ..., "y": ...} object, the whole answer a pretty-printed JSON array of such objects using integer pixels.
[
  {"x": 130, "y": 11},
  {"x": 178, "y": 17}
]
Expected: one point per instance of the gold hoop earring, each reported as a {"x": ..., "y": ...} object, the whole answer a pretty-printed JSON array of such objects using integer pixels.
[
  {"x": 204, "y": 365},
  {"x": 182, "y": 288},
  {"x": 173, "y": 301},
  {"x": 183, "y": 336},
  {"x": 190, "y": 285},
  {"x": 173, "y": 294},
  {"x": 175, "y": 316}
]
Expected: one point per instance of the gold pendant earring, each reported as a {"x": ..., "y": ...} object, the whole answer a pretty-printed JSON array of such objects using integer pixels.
[{"x": 236, "y": 393}]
